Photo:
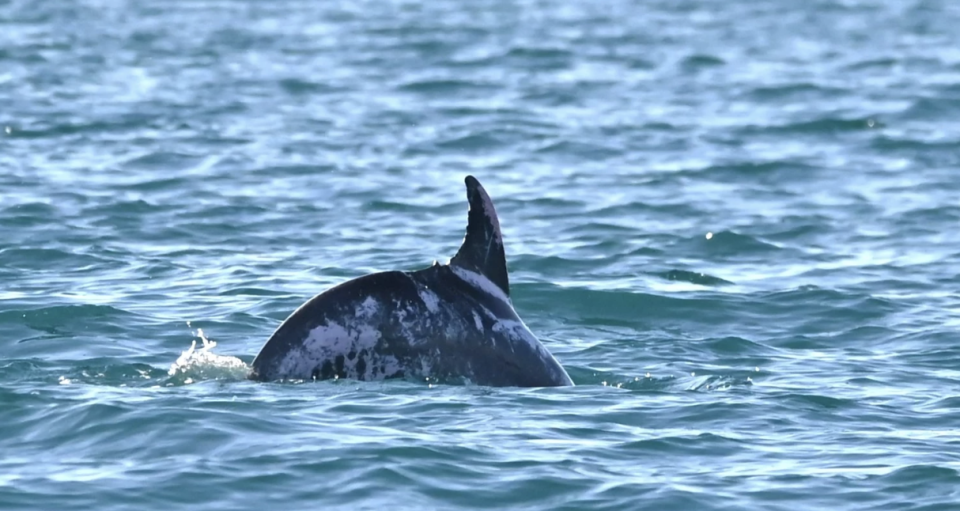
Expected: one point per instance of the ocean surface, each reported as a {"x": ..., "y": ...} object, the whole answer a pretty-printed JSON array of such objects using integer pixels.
[{"x": 734, "y": 223}]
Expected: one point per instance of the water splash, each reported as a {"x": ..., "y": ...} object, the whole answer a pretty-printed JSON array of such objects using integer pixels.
[{"x": 195, "y": 365}]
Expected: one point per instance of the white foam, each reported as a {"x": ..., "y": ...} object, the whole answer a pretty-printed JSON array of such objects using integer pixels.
[{"x": 203, "y": 364}]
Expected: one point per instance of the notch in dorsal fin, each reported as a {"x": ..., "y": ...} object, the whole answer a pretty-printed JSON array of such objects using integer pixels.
[{"x": 482, "y": 249}]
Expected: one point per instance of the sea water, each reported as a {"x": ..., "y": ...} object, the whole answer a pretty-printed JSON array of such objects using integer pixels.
[{"x": 734, "y": 223}]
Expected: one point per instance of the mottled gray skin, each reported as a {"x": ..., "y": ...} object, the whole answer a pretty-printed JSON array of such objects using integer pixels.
[
  {"x": 452, "y": 323},
  {"x": 463, "y": 335}
]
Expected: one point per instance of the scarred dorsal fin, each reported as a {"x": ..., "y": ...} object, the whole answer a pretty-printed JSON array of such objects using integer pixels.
[{"x": 482, "y": 249}]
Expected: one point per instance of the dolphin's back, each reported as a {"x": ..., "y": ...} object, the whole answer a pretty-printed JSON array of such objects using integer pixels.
[
  {"x": 429, "y": 324},
  {"x": 348, "y": 331}
]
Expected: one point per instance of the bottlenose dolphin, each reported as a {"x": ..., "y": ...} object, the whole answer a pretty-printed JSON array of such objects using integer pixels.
[{"x": 449, "y": 323}]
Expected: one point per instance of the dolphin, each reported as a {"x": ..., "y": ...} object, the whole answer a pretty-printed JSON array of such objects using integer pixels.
[{"x": 448, "y": 323}]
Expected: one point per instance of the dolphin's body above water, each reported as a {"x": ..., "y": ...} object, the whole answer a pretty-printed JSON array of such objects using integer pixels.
[{"x": 451, "y": 322}]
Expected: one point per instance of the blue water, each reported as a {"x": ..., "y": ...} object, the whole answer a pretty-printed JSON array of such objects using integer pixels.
[{"x": 734, "y": 223}]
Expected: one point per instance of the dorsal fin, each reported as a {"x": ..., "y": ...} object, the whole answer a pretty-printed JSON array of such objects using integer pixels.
[{"x": 482, "y": 249}]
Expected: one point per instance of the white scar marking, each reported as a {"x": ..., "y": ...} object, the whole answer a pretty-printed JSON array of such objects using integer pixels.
[
  {"x": 430, "y": 299},
  {"x": 490, "y": 212},
  {"x": 480, "y": 281},
  {"x": 368, "y": 308},
  {"x": 426, "y": 366},
  {"x": 326, "y": 342},
  {"x": 516, "y": 330},
  {"x": 400, "y": 313}
]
